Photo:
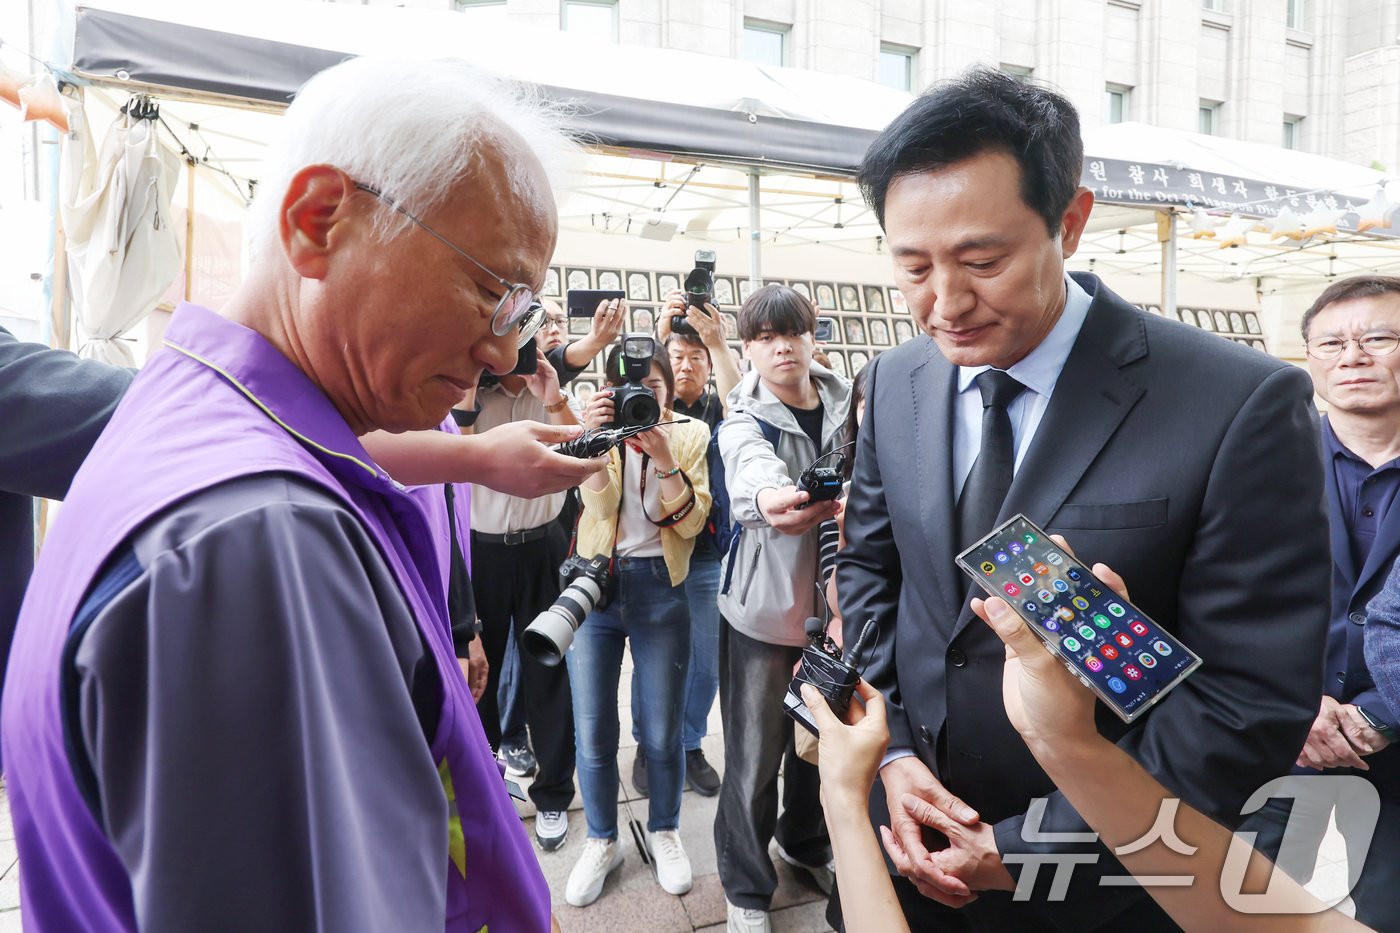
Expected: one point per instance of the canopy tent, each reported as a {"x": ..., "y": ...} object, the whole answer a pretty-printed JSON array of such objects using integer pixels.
[{"x": 727, "y": 152}]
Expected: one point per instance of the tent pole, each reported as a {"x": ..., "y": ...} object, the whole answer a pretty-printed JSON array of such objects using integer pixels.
[
  {"x": 755, "y": 232},
  {"x": 189, "y": 229},
  {"x": 1166, "y": 232}
]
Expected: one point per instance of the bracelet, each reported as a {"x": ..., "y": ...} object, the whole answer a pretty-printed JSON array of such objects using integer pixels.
[
  {"x": 557, "y": 406},
  {"x": 668, "y": 473}
]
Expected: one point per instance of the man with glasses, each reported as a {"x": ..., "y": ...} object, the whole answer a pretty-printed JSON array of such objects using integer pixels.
[
  {"x": 234, "y": 702},
  {"x": 1352, "y": 331}
]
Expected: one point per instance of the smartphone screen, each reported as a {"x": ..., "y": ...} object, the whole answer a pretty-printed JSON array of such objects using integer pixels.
[
  {"x": 583, "y": 302},
  {"x": 1126, "y": 658}
]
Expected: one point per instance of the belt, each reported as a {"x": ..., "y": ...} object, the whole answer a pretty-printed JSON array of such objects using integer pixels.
[{"x": 512, "y": 537}]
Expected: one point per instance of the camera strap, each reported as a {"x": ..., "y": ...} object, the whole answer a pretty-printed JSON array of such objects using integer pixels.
[{"x": 679, "y": 514}]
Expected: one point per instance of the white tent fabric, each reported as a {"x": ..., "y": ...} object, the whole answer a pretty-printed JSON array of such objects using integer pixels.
[{"x": 123, "y": 249}]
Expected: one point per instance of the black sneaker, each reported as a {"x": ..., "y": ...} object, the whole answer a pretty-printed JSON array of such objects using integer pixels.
[
  {"x": 520, "y": 761},
  {"x": 639, "y": 773},
  {"x": 702, "y": 778}
]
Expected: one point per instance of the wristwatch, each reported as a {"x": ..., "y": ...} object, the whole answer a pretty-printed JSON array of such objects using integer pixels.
[
  {"x": 557, "y": 406},
  {"x": 1376, "y": 724}
]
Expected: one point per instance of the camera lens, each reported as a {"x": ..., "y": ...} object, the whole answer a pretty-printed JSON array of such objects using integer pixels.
[
  {"x": 637, "y": 409},
  {"x": 550, "y": 635}
]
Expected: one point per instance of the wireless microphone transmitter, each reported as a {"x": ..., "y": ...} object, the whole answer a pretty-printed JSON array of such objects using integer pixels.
[{"x": 824, "y": 667}]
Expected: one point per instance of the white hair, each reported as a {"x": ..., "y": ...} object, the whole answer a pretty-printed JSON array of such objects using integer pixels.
[{"x": 410, "y": 129}]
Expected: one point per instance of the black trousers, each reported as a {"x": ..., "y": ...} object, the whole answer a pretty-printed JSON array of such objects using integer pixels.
[{"x": 513, "y": 584}]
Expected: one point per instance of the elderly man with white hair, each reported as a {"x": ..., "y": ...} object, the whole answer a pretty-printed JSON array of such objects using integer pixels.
[{"x": 233, "y": 701}]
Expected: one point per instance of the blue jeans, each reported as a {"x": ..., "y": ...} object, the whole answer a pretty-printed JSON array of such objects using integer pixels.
[
  {"x": 702, "y": 682},
  {"x": 654, "y": 615}
]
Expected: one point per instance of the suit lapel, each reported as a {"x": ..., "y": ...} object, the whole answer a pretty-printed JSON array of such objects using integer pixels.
[
  {"x": 934, "y": 384},
  {"x": 1090, "y": 400}
]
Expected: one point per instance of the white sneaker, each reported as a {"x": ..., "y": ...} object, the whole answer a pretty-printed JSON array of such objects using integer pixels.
[
  {"x": 672, "y": 864},
  {"x": 823, "y": 876},
  {"x": 595, "y": 863},
  {"x": 744, "y": 920}
]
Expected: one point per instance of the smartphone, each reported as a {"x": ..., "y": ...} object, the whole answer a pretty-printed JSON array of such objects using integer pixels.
[
  {"x": 583, "y": 302},
  {"x": 826, "y": 329},
  {"x": 1107, "y": 642}
]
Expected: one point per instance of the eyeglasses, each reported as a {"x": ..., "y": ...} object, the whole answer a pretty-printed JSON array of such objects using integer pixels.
[
  {"x": 516, "y": 310},
  {"x": 1382, "y": 343},
  {"x": 558, "y": 321}
]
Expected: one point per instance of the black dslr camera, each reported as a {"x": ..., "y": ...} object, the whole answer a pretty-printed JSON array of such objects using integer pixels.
[
  {"x": 634, "y": 405},
  {"x": 699, "y": 290},
  {"x": 824, "y": 667},
  {"x": 587, "y": 583}
]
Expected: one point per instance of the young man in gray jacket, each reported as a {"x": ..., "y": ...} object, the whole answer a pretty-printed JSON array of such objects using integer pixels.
[{"x": 768, "y": 590}]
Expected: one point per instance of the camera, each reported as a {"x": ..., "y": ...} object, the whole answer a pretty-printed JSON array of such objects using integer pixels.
[
  {"x": 634, "y": 405},
  {"x": 699, "y": 290},
  {"x": 587, "y": 585},
  {"x": 526, "y": 364},
  {"x": 824, "y": 667},
  {"x": 826, "y": 330}
]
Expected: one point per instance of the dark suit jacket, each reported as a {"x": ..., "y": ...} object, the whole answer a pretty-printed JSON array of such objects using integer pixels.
[{"x": 1187, "y": 463}]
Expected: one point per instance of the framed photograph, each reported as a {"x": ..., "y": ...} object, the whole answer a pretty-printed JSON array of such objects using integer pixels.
[
  {"x": 638, "y": 286},
  {"x": 850, "y": 298},
  {"x": 583, "y": 390},
  {"x": 838, "y": 362},
  {"x": 1175, "y": 315},
  {"x": 724, "y": 290},
  {"x": 1259, "y": 345},
  {"x": 774, "y": 282},
  {"x": 1153, "y": 309},
  {"x": 1236, "y": 322},
  {"x": 666, "y": 282},
  {"x": 903, "y": 330},
  {"x": 874, "y": 299},
  {"x": 826, "y": 296},
  {"x": 855, "y": 331},
  {"x": 1201, "y": 319},
  {"x": 578, "y": 278},
  {"x": 879, "y": 332},
  {"x": 643, "y": 320},
  {"x": 745, "y": 290},
  {"x": 551, "y": 283},
  {"x": 858, "y": 360},
  {"x": 1222, "y": 322},
  {"x": 898, "y": 303},
  {"x": 803, "y": 289},
  {"x": 610, "y": 278},
  {"x": 731, "y": 325},
  {"x": 1251, "y": 323}
]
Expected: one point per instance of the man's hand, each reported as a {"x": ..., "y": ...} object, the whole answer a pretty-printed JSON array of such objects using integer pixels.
[
  {"x": 1335, "y": 741},
  {"x": 780, "y": 507},
  {"x": 971, "y": 856},
  {"x": 517, "y": 461},
  {"x": 544, "y": 384},
  {"x": 1360, "y": 733},
  {"x": 475, "y": 669},
  {"x": 909, "y": 778}
]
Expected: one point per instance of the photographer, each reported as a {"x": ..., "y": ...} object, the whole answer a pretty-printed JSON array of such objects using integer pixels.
[
  {"x": 645, "y": 510},
  {"x": 698, "y": 352}
]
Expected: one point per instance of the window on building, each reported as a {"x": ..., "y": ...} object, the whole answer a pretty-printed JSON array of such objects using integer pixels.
[
  {"x": 1115, "y": 103},
  {"x": 765, "y": 43},
  {"x": 1292, "y": 132},
  {"x": 897, "y": 67},
  {"x": 1295, "y": 14},
  {"x": 1216, "y": 5},
  {"x": 1019, "y": 72},
  {"x": 1210, "y": 117},
  {"x": 593, "y": 19},
  {"x": 483, "y": 12}
]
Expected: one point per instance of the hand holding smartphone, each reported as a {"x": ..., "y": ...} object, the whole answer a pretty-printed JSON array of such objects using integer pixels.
[{"x": 1129, "y": 660}]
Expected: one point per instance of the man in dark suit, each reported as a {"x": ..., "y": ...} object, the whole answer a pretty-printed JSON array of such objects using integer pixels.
[
  {"x": 1352, "y": 332},
  {"x": 1188, "y": 463}
]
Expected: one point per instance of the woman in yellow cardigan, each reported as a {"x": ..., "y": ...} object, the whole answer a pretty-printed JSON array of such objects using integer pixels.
[{"x": 646, "y": 508}]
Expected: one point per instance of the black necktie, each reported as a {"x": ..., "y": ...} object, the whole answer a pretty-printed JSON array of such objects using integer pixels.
[{"x": 986, "y": 485}]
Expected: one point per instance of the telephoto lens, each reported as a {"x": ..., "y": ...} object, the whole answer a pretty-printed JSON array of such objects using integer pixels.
[{"x": 550, "y": 635}]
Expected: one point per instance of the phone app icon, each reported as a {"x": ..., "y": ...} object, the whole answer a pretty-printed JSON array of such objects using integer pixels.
[
  {"x": 1087, "y": 632},
  {"x": 1117, "y": 685},
  {"x": 1066, "y": 613},
  {"x": 1031, "y": 607},
  {"x": 1080, "y": 603},
  {"x": 1132, "y": 673},
  {"x": 1109, "y": 652},
  {"x": 1061, "y": 586},
  {"x": 1123, "y": 639},
  {"x": 1074, "y": 575},
  {"x": 1001, "y": 557},
  {"x": 1095, "y": 592},
  {"x": 1015, "y": 547},
  {"x": 1101, "y": 620},
  {"x": 1028, "y": 538},
  {"x": 1052, "y": 625},
  {"x": 1139, "y": 629},
  {"x": 1116, "y": 610},
  {"x": 1026, "y": 578},
  {"x": 1161, "y": 647},
  {"x": 988, "y": 567},
  {"x": 1093, "y": 664},
  {"x": 1040, "y": 568},
  {"x": 1071, "y": 643},
  {"x": 1053, "y": 557},
  {"x": 1147, "y": 660},
  {"x": 1012, "y": 589},
  {"x": 1045, "y": 596}
]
